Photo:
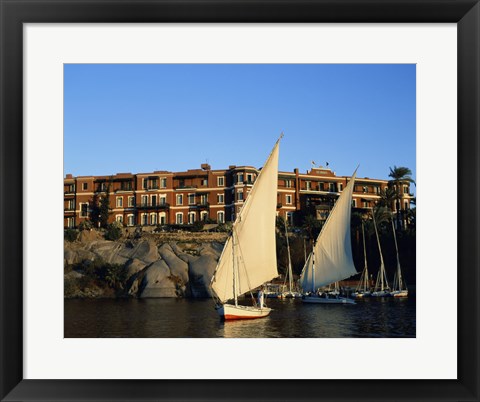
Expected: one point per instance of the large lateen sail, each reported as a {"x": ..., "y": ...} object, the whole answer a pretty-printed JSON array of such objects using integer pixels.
[
  {"x": 252, "y": 244},
  {"x": 331, "y": 259}
]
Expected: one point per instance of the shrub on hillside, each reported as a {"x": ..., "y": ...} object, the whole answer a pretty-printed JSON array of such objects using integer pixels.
[
  {"x": 115, "y": 275},
  {"x": 224, "y": 227},
  {"x": 70, "y": 235},
  {"x": 113, "y": 231},
  {"x": 198, "y": 226},
  {"x": 85, "y": 225}
]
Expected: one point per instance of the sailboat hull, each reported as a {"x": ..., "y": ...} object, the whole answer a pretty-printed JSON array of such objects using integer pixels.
[
  {"x": 400, "y": 293},
  {"x": 381, "y": 293},
  {"x": 361, "y": 294},
  {"x": 291, "y": 295},
  {"x": 232, "y": 312},
  {"x": 327, "y": 300}
]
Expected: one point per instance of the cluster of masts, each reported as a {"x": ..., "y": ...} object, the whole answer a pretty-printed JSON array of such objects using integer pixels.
[
  {"x": 381, "y": 288},
  {"x": 249, "y": 258}
]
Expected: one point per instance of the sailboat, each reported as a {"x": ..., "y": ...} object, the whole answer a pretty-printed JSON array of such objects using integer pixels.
[
  {"x": 381, "y": 285},
  {"x": 249, "y": 258},
  {"x": 290, "y": 293},
  {"x": 331, "y": 258},
  {"x": 363, "y": 288},
  {"x": 399, "y": 286}
]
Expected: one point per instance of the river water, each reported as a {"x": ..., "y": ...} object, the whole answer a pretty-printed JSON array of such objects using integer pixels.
[{"x": 187, "y": 318}]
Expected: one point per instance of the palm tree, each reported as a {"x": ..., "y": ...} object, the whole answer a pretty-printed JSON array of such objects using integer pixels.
[
  {"x": 399, "y": 175},
  {"x": 311, "y": 227},
  {"x": 356, "y": 221},
  {"x": 387, "y": 198}
]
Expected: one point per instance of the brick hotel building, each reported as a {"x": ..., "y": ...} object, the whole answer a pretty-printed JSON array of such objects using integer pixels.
[{"x": 180, "y": 198}]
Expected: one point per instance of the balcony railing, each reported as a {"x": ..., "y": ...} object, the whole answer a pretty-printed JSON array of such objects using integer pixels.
[
  {"x": 149, "y": 205},
  {"x": 199, "y": 205}
]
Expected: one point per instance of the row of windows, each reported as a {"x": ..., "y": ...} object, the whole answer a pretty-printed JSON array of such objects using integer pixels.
[
  {"x": 161, "y": 218},
  {"x": 241, "y": 178},
  {"x": 366, "y": 189},
  {"x": 331, "y": 187},
  {"x": 154, "y": 183},
  {"x": 369, "y": 204},
  {"x": 288, "y": 198},
  {"x": 149, "y": 184},
  {"x": 162, "y": 200}
]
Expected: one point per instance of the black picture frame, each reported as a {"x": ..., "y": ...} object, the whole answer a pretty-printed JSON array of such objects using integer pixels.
[{"x": 465, "y": 13}]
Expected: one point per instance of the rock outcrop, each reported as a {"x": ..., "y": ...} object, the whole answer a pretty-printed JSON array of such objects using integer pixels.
[{"x": 148, "y": 267}]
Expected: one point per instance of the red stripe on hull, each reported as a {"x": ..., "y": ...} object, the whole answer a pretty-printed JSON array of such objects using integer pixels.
[{"x": 237, "y": 317}]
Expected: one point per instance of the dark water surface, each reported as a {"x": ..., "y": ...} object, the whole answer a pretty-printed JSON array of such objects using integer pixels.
[{"x": 184, "y": 318}]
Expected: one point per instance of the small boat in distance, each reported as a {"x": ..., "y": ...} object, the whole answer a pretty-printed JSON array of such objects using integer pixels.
[
  {"x": 363, "y": 288},
  {"x": 399, "y": 288},
  {"x": 331, "y": 258},
  {"x": 272, "y": 290},
  {"x": 381, "y": 286},
  {"x": 249, "y": 258}
]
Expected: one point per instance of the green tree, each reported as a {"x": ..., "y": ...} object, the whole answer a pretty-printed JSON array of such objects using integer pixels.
[
  {"x": 311, "y": 227},
  {"x": 85, "y": 225},
  {"x": 356, "y": 226},
  {"x": 104, "y": 207},
  {"x": 70, "y": 235},
  {"x": 115, "y": 276},
  {"x": 387, "y": 198},
  {"x": 280, "y": 225},
  {"x": 95, "y": 210},
  {"x": 113, "y": 231},
  {"x": 399, "y": 176}
]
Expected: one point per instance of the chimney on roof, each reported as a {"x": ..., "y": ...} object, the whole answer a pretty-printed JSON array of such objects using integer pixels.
[
  {"x": 69, "y": 176},
  {"x": 205, "y": 166}
]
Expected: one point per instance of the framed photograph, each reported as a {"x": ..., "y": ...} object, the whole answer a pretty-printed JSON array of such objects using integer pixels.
[{"x": 90, "y": 91}]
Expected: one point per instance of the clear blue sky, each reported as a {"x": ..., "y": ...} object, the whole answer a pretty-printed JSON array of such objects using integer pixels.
[{"x": 146, "y": 117}]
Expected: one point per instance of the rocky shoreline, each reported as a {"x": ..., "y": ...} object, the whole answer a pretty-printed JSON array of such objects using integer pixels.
[{"x": 141, "y": 265}]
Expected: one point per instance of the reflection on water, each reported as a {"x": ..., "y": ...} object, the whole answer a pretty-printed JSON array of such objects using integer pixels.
[{"x": 180, "y": 318}]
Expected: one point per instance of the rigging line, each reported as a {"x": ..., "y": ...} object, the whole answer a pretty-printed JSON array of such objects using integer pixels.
[{"x": 245, "y": 268}]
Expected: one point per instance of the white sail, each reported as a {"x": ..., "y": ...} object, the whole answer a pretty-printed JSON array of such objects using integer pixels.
[
  {"x": 332, "y": 259},
  {"x": 306, "y": 277},
  {"x": 253, "y": 236}
]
